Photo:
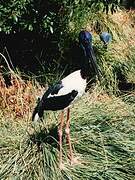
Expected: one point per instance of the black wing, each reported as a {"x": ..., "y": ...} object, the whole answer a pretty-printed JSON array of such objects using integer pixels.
[
  {"x": 57, "y": 102},
  {"x": 54, "y": 103},
  {"x": 52, "y": 90}
]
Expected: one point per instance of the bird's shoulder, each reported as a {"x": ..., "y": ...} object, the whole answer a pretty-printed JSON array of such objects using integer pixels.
[
  {"x": 52, "y": 90},
  {"x": 56, "y": 87},
  {"x": 71, "y": 76}
]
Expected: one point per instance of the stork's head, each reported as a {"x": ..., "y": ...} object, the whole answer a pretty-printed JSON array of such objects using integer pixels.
[
  {"x": 89, "y": 63},
  {"x": 105, "y": 38},
  {"x": 85, "y": 38},
  {"x": 85, "y": 41}
]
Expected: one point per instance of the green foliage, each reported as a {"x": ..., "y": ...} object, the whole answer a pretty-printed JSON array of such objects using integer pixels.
[
  {"x": 27, "y": 15},
  {"x": 10, "y": 14},
  {"x": 42, "y": 16},
  {"x": 105, "y": 5}
]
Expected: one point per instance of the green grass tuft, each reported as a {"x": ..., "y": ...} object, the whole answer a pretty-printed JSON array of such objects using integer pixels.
[{"x": 102, "y": 132}]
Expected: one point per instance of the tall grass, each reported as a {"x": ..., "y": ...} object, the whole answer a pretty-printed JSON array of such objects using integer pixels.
[{"x": 102, "y": 131}]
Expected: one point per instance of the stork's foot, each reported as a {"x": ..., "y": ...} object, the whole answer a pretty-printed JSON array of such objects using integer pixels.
[
  {"x": 75, "y": 161},
  {"x": 61, "y": 166}
]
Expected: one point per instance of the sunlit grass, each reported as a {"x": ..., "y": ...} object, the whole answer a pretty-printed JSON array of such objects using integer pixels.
[{"x": 102, "y": 132}]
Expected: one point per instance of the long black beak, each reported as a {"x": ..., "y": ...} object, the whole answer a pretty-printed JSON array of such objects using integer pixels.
[{"x": 92, "y": 60}]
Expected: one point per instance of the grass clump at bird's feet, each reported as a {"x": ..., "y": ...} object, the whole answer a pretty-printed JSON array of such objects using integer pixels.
[{"x": 102, "y": 134}]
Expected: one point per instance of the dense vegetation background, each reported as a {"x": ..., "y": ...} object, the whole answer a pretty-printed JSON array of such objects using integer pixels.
[
  {"x": 37, "y": 43},
  {"x": 36, "y": 32}
]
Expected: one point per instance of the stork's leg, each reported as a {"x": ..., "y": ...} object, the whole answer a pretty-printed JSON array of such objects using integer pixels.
[
  {"x": 67, "y": 130},
  {"x": 60, "y": 138}
]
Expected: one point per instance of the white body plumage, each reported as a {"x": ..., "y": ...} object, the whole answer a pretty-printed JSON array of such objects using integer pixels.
[{"x": 73, "y": 81}]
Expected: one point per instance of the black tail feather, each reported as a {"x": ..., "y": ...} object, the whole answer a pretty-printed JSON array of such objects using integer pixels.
[{"x": 36, "y": 110}]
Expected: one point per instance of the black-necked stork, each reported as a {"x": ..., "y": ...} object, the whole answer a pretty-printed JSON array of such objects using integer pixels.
[
  {"x": 105, "y": 38},
  {"x": 60, "y": 96}
]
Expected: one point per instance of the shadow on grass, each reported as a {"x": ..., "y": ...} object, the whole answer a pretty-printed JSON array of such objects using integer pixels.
[{"x": 45, "y": 136}]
